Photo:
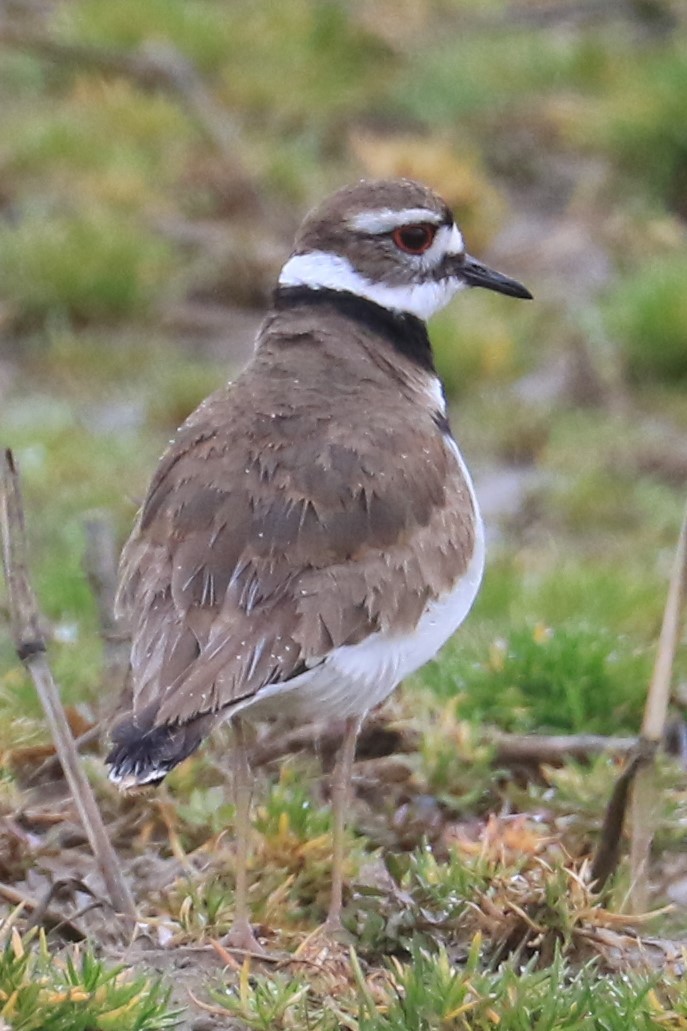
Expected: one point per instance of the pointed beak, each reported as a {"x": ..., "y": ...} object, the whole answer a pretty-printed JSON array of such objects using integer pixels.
[{"x": 474, "y": 274}]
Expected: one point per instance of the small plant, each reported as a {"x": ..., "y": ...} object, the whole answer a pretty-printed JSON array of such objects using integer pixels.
[
  {"x": 294, "y": 850},
  {"x": 428, "y": 902},
  {"x": 205, "y": 812},
  {"x": 431, "y": 992},
  {"x": 202, "y": 908},
  {"x": 265, "y": 1003},
  {"x": 288, "y": 812},
  {"x": 75, "y": 991}
]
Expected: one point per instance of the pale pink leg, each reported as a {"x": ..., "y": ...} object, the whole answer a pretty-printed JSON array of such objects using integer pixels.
[
  {"x": 340, "y": 797},
  {"x": 241, "y": 934}
]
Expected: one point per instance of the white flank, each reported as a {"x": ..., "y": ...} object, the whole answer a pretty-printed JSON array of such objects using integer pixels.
[
  {"x": 321, "y": 270},
  {"x": 435, "y": 393}
]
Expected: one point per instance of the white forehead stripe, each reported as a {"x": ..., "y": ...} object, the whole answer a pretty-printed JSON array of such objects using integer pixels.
[
  {"x": 385, "y": 220},
  {"x": 320, "y": 270},
  {"x": 455, "y": 243}
]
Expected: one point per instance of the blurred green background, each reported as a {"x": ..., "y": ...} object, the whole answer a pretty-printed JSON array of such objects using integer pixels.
[{"x": 155, "y": 159}]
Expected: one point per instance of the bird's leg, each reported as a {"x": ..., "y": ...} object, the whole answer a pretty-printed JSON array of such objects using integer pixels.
[
  {"x": 241, "y": 934},
  {"x": 341, "y": 784}
]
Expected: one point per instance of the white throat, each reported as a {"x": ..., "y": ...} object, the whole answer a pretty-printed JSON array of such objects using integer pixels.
[{"x": 321, "y": 270}]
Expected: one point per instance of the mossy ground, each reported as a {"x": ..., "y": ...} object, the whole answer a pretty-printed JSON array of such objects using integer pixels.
[{"x": 130, "y": 249}]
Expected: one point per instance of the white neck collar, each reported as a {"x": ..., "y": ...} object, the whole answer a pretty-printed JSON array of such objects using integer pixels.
[{"x": 321, "y": 270}]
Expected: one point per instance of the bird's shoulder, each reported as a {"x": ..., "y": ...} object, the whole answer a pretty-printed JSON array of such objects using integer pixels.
[{"x": 322, "y": 481}]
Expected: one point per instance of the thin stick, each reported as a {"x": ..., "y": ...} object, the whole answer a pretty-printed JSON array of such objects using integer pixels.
[
  {"x": 531, "y": 749},
  {"x": 653, "y": 724},
  {"x": 50, "y": 919},
  {"x": 554, "y": 749},
  {"x": 30, "y": 646},
  {"x": 607, "y": 855}
]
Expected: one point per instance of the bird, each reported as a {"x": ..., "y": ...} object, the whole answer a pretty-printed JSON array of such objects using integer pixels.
[{"x": 311, "y": 536}]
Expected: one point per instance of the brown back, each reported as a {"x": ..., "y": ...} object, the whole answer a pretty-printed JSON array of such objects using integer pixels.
[{"x": 311, "y": 503}]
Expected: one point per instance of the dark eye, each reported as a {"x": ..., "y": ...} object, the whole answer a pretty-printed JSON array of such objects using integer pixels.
[{"x": 414, "y": 239}]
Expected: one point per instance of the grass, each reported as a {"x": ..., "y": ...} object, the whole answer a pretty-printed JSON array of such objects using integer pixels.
[
  {"x": 647, "y": 311},
  {"x": 81, "y": 266},
  {"x": 638, "y": 124},
  {"x": 499, "y": 73},
  {"x": 75, "y": 991},
  {"x": 430, "y": 993},
  {"x": 124, "y": 147},
  {"x": 194, "y": 27},
  {"x": 571, "y": 679}
]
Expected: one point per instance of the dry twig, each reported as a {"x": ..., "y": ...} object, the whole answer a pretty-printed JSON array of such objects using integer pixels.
[
  {"x": 653, "y": 726},
  {"x": 42, "y": 914},
  {"x": 30, "y": 646},
  {"x": 608, "y": 850},
  {"x": 509, "y": 749},
  {"x": 554, "y": 749}
]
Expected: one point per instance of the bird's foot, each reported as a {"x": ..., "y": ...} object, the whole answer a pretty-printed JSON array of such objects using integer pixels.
[
  {"x": 326, "y": 946},
  {"x": 333, "y": 928},
  {"x": 241, "y": 938}
]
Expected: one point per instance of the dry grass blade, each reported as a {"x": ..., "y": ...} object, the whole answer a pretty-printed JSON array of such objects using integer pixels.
[
  {"x": 30, "y": 647},
  {"x": 655, "y": 712}
]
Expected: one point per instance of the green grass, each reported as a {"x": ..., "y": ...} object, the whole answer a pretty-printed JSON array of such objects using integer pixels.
[
  {"x": 196, "y": 27},
  {"x": 638, "y": 123},
  {"x": 431, "y": 993},
  {"x": 646, "y": 312},
  {"x": 75, "y": 991},
  {"x": 498, "y": 72},
  {"x": 567, "y": 679},
  {"x": 84, "y": 265},
  {"x": 124, "y": 146},
  {"x": 554, "y": 644}
]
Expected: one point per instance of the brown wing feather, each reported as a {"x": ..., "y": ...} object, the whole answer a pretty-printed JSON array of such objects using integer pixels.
[{"x": 267, "y": 538}]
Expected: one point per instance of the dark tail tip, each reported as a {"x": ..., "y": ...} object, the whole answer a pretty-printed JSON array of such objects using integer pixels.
[{"x": 143, "y": 755}]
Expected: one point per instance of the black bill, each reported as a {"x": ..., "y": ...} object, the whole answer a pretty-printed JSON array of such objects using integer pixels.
[{"x": 475, "y": 274}]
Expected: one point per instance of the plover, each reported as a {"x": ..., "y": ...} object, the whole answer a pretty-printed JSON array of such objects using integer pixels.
[{"x": 311, "y": 536}]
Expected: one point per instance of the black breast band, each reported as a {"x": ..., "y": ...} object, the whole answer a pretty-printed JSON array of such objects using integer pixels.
[{"x": 406, "y": 333}]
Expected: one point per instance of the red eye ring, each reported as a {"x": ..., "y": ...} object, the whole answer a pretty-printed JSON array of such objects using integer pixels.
[{"x": 414, "y": 239}]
